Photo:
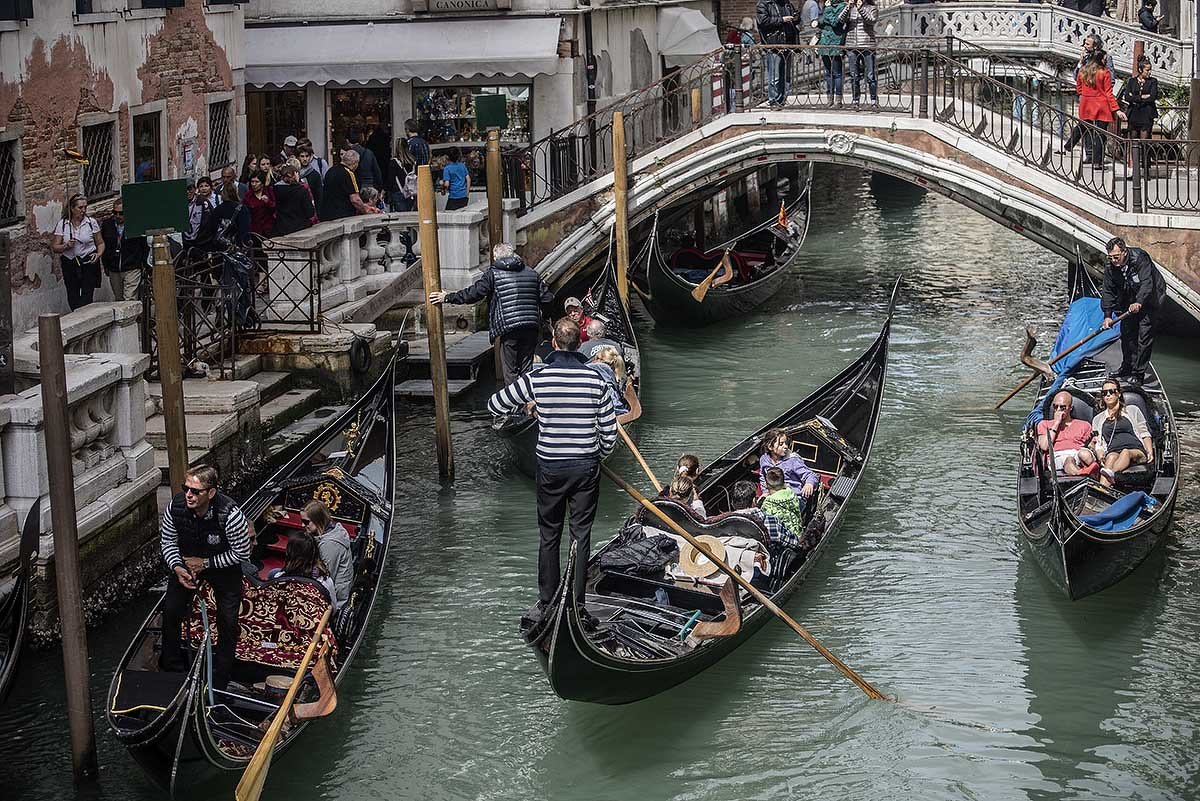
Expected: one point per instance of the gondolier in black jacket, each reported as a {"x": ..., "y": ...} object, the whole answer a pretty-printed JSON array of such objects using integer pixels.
[
  {"x": 1132, "y": 283},
  {"x": 516, "y": 294},
  {"x": 205, "y": 537},
  {"x": 577, "y": 429}
]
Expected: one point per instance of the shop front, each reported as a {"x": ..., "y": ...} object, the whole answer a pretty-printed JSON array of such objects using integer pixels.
[{"x": 376, "y": 77}]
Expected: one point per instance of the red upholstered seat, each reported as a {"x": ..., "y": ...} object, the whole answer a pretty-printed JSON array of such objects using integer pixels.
[{"x": 277, "y": 621}]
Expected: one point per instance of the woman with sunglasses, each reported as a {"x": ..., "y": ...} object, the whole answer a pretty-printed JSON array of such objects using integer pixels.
[
  {"x": 1122, "y": 435},
  {"x": 77, "y": 241}
]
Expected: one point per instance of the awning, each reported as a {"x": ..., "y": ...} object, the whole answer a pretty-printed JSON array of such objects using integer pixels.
[
  {"x": 684, "y": 35},
  {"x": 358, "y": 53}
]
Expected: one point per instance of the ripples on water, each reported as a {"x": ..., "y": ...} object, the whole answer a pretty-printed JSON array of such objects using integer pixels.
[{"x": 1005, "y": 690}]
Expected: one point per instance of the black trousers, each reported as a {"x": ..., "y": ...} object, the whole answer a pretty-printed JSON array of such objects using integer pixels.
[
  {"x": 81, "y": 281},
  {"x": 574, "y": 484},
  {"x": 516, "y": 351},
  {"x": 227, "y": 586},
  {"x": 1137, "y": 340},
  {"x": 1095, "y": 140}
]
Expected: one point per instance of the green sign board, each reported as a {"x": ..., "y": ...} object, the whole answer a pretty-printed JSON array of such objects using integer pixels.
[
  {"x": 155, "y": 206},
  {"x": 491, "y": 111}
]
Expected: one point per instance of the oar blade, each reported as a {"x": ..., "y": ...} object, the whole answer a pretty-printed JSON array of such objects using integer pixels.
[{"x": 251, "y": 785}]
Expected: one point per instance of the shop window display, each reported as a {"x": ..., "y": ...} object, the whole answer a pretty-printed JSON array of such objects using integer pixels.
[{"x": 446, "y": 117}]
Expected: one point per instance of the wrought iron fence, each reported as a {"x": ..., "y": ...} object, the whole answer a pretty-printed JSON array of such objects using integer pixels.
[
  {"x": 287, "y": 287},
  {"x": 206, "y": 308}
]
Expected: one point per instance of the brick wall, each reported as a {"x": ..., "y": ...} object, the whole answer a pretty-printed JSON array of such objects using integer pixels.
[
  {"x": 732, "y": 12},
  {"x": 177, "y": 61}
]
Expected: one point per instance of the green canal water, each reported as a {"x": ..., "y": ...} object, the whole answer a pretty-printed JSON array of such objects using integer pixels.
[{"x": 1005, "y": 690}]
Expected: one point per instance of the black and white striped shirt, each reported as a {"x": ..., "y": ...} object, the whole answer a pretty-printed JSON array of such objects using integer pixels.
[
  {"x": 236, "y": 533},
  {"x": 574, "y": 408}
]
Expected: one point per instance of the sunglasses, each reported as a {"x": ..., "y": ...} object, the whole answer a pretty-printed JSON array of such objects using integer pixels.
[
  {"x": 1061, "y": 406},
  {"x": 305, "y": 520},
  {"x": 195, "y": 490},
  {"x": 1107, "y": 392}
]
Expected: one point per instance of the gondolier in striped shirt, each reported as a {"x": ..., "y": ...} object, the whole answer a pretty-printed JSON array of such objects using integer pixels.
[
  {"x": 577, "y": 429},
  {"x": 205, "y": 537}
]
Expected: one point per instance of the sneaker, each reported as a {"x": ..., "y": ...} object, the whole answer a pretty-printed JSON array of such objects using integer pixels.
[
  {"x": 1110, "y": 475},
  {"x": 856, "y": 106},
  {"x": 874, "y": 105}
]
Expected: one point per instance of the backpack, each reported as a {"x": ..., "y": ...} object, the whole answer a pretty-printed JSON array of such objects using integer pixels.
[{"x": 409, "y": 190}]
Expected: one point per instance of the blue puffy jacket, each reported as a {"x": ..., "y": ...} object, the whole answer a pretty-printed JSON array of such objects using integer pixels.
[{"x": 516, "y": 293}]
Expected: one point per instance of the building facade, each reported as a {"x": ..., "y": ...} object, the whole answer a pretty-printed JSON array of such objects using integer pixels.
[
  {"x": 373, "y": 64},
  {"x": 144, "y": 89}
]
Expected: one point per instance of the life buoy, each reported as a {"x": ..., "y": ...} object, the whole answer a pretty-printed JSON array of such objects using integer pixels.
[{"x": 360, "y": 355}]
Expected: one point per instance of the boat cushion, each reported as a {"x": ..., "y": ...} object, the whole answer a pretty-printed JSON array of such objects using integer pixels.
[{"x": 277, "y": 620}]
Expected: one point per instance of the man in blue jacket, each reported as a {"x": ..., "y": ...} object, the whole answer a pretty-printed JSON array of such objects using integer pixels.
[{"x": 516, "y": 294}]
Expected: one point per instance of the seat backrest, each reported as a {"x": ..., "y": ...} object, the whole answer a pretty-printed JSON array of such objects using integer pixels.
[
  {"x": 1083, "y": 406},
  {"x": 1133, "y": 398}
]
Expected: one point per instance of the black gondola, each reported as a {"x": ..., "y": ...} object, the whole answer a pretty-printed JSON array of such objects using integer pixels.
[
  {"x": 760, "y": 260},
  {"x": 636, "y": 650},
  {"x": 14, "y": 601},
  {"x": 602, "y": 302},
  {"x": 1081, "y": 559},
  {"x": 174, "y": 724}
]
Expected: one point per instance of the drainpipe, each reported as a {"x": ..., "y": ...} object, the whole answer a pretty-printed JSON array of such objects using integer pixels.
[{"x": 589, "y": 60}]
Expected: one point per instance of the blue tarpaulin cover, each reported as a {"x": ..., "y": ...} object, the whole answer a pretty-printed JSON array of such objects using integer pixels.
[
  {"x": 1121, "y": 514},
  {"x": 1083, "y": 317}
]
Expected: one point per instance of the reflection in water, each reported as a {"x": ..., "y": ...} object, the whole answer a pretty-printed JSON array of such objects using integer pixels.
[{"x": 1006, "y": 691}]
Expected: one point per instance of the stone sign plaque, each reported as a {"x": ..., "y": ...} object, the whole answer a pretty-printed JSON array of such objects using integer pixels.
[{"x": 460, "y": 6}]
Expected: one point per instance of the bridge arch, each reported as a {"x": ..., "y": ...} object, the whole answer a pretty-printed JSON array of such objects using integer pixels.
[{"x": 921, "y": 151}]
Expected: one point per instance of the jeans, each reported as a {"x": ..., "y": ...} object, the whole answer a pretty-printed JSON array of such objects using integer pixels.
[
  {"x": 516, "y": 351},
  {"x": 561, "y": 483},
  {"x": 778, "y": 64},
  {"x": 398, "y": 202},
  {"x": 868, "y": 62},
  {"x": 177, "y": 604},
  {"x": 833, "y": 76}
]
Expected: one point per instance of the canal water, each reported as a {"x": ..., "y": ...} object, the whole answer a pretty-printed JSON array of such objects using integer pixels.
[{"x": 1005, "y": 691}]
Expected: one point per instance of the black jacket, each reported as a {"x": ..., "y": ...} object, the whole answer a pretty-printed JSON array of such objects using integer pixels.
[
  {"x": 121, "y": 254},
  {"x": 368, "y": 172},
  {"x": 771, "y": 27},
  {"x": 516, "y": 292},
  {"x": 1148, "y": 21},
  {"x": 293, "y": 209},
  {"x": 1139, "y": 281}
]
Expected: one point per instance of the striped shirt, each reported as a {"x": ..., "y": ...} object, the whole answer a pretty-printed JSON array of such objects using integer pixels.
[
  {"x": 574, "y": 408},
  {"x": 237, "y": 534},
  {"x": 860, "y": 26}
]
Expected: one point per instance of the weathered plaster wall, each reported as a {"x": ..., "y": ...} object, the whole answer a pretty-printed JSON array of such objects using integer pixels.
[{"x": 59, "y": 72}]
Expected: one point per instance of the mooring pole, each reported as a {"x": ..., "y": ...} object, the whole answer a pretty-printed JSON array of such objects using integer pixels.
[
  {"x": 170, "y": 370},
  {"x": 56, "y": 423},
  {"x": 495, "y": 189},
  {"x": 621, "y": 198},
  {"x": 432, "y": 274}
]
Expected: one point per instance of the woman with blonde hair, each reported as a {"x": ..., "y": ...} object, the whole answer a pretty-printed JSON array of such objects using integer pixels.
[{"x": 611, "y": 366}]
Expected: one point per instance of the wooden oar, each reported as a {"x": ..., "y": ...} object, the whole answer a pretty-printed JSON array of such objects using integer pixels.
[
  {"x": 700, "y": 291},
  {"x": 638, "y": 455},
  {"x": 747, "y": 586},
  {"x": 1074, "y": 347},
  {"x": 251, "y": 785}
]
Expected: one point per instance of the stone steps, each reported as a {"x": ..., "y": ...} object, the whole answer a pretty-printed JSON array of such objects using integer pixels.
[
  {"x": 204, "y": 431},
  {"x": 271, "y": 385},
  {"x": 423, "y": 388},
  {"x": 288, "y": 407}
]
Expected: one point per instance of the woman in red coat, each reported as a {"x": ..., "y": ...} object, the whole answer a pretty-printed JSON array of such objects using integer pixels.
[{"x": 1096, "y": 104}]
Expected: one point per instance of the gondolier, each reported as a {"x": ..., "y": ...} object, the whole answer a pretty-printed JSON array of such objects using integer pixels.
[
  {"x": 205, "y": 537},
  {"x": 577, "y": 429},
  {"x": 516, "y": 294},
  {"x": 1132, "y": 283}
]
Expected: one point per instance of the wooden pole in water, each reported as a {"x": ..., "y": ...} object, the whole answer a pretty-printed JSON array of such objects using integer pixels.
[
  {"x": 621, "y": 199},
  {"x": 66, "y": 548},
  {"x": 432, "y": 274},
  {"x": 495, "y": 190},
  {"x": 170, "y": 370}
]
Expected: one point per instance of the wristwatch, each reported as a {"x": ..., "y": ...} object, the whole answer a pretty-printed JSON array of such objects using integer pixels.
[{"x": 204, "y": 564}]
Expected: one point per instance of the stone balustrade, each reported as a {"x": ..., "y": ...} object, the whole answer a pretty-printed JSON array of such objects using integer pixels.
[
  {"x": 96, "y": 328},
  {"x": 1029, "y": 29}
]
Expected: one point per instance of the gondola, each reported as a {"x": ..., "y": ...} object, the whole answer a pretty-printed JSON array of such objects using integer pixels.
[
  {"x": 760, "y": 260},
  {"x": 641, "y": 643},
  {"x": 14, "y": 601},
  {"x": 1082, "y": 558},
  {"x": 602, "y": 302},
  {"x": 174, "y": 724}
]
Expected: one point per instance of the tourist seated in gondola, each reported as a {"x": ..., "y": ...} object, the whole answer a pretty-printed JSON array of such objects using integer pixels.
[
  {"x": 780, "y": 500},
  {"x": 596, "y": 339},
  {"x": 1071, "y": 437},
  {"x": 777, "y": 452},
  {"x": 1122, "y": 434},
  {"x": 333, "y": 543},
  {"x": 682, "y": 489},
  {"x": 573, "y": 307},
  {"x": 779, "y": 535},
  {"x": 303, "y": 560},
  {"x": 609, "y": 364},
  {"x": 689, "y": 465}
]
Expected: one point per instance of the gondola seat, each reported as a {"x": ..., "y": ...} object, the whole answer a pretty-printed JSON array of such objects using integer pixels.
[{"x": 277, "y": 620}]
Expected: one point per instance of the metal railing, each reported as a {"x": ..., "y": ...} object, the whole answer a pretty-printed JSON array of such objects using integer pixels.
[{"x": 921, "y": 77}]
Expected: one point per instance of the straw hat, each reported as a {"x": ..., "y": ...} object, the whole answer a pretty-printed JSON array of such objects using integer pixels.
[{"x": 694, "y": 563}]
